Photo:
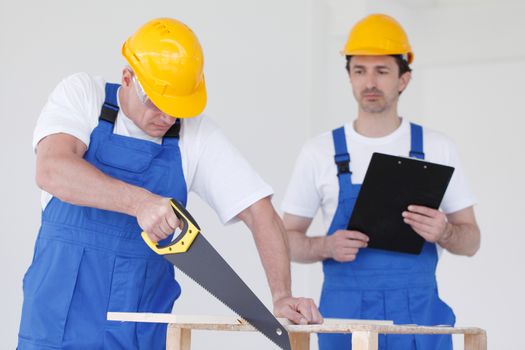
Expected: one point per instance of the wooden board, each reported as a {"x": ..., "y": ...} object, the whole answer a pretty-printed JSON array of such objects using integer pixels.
[{"x": 233, "y": 323}]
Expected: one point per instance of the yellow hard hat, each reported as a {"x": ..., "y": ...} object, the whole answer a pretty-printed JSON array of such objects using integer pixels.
[
  {"x": 167, "y": 59},
  {"x": 377, "y": 35}
]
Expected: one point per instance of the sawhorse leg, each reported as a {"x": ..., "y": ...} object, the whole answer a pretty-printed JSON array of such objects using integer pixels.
[
  {"x": 364, "y": 340},
  {"x": 178, "y": 338},
  {"x": 476, "y": 341},
  {"x": 300, "y": 341}
]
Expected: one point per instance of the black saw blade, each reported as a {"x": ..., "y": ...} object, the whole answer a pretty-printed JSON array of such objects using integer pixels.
[{"x": 204, "y": 265}]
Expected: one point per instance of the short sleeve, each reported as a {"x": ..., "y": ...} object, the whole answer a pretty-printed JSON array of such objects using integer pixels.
[
  {"x": 71, "y": 108},
  {"x": 302, "y": 197},
  {"x": 458, "y": 195},
  {"x": 224, "y": 179}
]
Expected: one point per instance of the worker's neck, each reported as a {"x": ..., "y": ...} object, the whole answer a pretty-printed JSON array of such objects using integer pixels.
[{"x": 376, "y": 124}]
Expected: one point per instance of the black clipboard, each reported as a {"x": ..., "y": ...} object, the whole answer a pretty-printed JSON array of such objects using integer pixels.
[{"x": 391, "y": 184}]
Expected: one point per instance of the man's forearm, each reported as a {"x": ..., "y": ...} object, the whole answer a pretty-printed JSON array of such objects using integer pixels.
[
  {"x": 270, "y": 239},
  {"x": 74, "y": 180},
  {"x": 306, "y": 249},
  {"x": 461, "y": 239}
]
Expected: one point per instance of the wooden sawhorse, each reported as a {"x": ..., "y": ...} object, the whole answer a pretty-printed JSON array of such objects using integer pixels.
[{"x": 364, "y": 332}]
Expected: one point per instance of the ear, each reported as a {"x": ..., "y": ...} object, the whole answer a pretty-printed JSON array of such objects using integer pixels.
[
  {"x": 404, "y": 80},
  {"x": 349, "y": 75},
  {"x": 127, "y": 74}
]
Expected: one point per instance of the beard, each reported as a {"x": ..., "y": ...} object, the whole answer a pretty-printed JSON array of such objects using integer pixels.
[{"x": 378, "y": 104}]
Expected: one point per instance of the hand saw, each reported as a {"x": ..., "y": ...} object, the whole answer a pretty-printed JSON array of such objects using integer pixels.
[{"x": 191, "y": 253}]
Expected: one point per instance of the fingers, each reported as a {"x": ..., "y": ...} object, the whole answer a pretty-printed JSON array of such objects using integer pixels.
[
  {"x": 298, "y": 310},
  {"x": 423, "y": 230},
  {"x": 423, "y": 210},
  {"x": 172, "y": 221},
  {"x": 344, "y": 244},
  {"x": 167, "y": 225},
  {"x": 284, "y": 308},
  {"x": 355, "y": 235},
  {"x": 156, "y": 235},
  {"x": 156, "y": 217},
  {"x": 307, "y": 308},
  {"x": 161, "y": 228},
  {"x": 343, "y": 254},
  {"x": 427, "y": 222},
  {"x": 422, "y": 219},
  {"x": 352, "y": 243},
  {"x": 417, "y": 225},
  {"x": 153, "y": 237},
  {"x": 358, "y": 236},
  {"x": 296, "y": 317}
]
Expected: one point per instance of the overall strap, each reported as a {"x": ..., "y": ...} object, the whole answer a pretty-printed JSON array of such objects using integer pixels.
[
  {"x": 416, "y": 141},
  {"x": 110, "y": 110},
  {"x": 174, "y": 131},
  {"x": 342, "y": 161},
  {"x": 342, "y": 157},
  {"x": 110, "y": 107}
]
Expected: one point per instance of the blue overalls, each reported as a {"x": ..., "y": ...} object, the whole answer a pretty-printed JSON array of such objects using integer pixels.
[
  {"x": 89, "y": 261},
  {"x": 380, "y": 284}
]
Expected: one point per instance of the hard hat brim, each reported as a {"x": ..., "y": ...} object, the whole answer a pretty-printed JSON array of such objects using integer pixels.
[
  {"x": 410, "y": 55},
  {"x": 186, "y": 106}
]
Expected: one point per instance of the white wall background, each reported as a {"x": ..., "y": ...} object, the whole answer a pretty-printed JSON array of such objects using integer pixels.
[{"x": 275, "y": 78}]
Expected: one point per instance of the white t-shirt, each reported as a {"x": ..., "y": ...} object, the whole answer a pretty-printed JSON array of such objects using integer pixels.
[
  {"x": 314, "y": 183},
  {"x": 213, "y": 168}
]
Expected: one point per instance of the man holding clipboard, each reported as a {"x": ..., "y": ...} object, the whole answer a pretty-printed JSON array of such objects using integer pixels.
[{"x": 360, "y": 281}]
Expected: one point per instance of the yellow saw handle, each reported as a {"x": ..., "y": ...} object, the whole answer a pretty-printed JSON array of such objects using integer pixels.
[{"x": 182, "y": 243}]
